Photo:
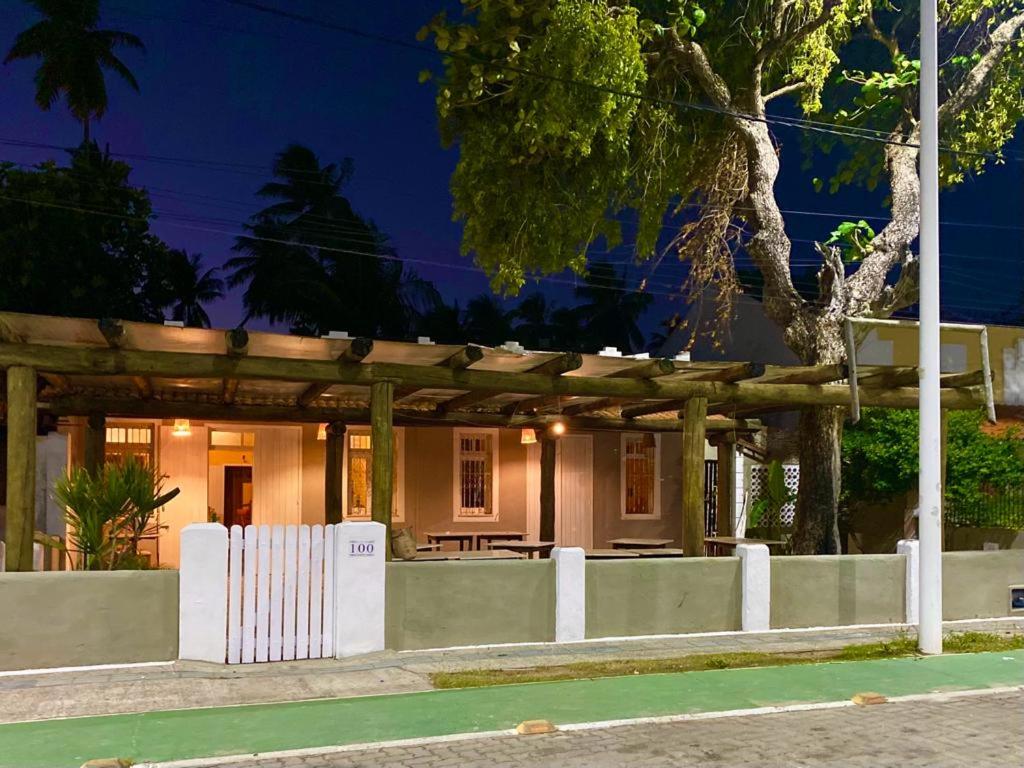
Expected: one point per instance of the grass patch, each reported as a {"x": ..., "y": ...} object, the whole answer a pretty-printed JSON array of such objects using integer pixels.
[{"x": 967, "y": 642}]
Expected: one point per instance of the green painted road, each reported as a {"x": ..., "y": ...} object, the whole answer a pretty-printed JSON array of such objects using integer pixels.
[{"x": 180, "y": 734}]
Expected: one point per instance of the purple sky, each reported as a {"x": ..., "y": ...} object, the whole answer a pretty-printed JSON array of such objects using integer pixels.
[{"x": 224, "y": 84}]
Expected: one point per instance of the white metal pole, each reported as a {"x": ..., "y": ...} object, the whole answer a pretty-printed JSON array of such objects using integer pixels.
[{"x": 930, "y": 472}]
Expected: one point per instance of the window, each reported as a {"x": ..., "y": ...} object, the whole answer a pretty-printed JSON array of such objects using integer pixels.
[
  {"x": 640, "y": 476},
  {"x": 225, "y": 439},
  {"x": 476, "y": 481},
  {"x": 358, "y": 476},
  {"x": 125, "y": 440}
]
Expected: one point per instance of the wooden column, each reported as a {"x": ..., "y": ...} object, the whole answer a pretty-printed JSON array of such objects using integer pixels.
[
  {"x": 334, "y": 465},
  {"x": 95, "y": 443},
  {"x": 548, "y": 454},
  {"x": 21, "y": 467},
  {"x": 726, "y": 491},
  {"x": 382, "y": 395},
  {"x": 694, "y": 412}
]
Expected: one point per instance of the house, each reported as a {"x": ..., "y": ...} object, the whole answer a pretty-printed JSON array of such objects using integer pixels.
[{"x": 266, "y": 428}]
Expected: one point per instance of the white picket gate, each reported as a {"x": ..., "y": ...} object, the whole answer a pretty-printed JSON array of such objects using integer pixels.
[{"x": 280, "y": 593}]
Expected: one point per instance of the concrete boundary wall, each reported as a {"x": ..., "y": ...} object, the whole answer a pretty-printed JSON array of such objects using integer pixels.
[
  {"x": 663, "y": 596},
  {"x": 975, "y": 584},
  {"x": 837, "y": 590},
  {"x": 452, "y": 603},
  {"x": 73, "y": 618}
]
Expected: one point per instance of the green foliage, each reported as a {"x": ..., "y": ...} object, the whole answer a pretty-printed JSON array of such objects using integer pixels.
[
  {"x": 773, "y": 498},
  {"x": 856, "y": 236},
  {"x": 57, "y": 256},
  {"x": 879, "y": 457},
  {"x": 108, "y": 514}
]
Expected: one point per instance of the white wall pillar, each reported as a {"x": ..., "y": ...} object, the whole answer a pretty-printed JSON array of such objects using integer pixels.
[
  {"x": 359, "y": 572},
  {"x": 910, "y": 548},
  {"x": 756, "y": 577},
  {"x": 570, "y": 594},
  {"x": 203, "y": 593}
]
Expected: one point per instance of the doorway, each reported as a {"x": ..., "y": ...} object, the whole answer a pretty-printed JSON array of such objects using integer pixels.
[{"x": 237, "y": 495}]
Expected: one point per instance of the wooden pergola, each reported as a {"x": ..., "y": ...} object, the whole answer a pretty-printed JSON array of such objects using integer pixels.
[{"x": 96, "y": 369}]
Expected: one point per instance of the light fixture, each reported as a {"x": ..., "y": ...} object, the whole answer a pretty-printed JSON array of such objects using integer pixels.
[
  {"x": 529, "y": 436},
  {"x": 182, "y": 428},
  {"x": 558, "y": 428},
  {"x": 321, "y": 432}
]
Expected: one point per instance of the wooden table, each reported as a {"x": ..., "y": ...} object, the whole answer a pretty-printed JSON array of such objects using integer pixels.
[
  {"x": 494, "y": 554},
  {"x": 541, "y": 548},
  {"x": 639, "y": 543},
  {"x": 427, "y": 547},
  {"x": 609, "y": 554},
  {"x": 490, "y": 536},
  {"x": 715, "y": 546},
  {"x": 461, "y": 537},
  {"x": 659, "y": 552}
]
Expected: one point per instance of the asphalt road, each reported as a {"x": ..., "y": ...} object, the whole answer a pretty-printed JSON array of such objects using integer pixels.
[{"x": 978, "y": 731}]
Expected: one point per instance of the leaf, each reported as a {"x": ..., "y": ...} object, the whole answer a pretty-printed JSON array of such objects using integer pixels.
[{"x": 424, "y": 75}]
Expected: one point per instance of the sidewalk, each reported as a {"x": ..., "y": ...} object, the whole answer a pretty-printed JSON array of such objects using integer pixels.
[
  {"x": 185, "y": 685},
  {"x": 268, "y": 728}
]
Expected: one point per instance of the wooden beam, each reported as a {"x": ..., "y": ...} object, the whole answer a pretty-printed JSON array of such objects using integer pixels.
[
  {"x": 144, "y": 386},
  {"x": 804, "y": 374},
  {"x": 548, "y": 454},
  {"x": 692, "y": 477},
  {"x": 236, "y": 343},
  {"x": 334, "y": 460},
  {"x": 646, "y": 369},
  {"x": 113, "y": 331},
  {"x": 359, "y": 349},
  {"x": 77, "y": 405},
  {"x": 556, "y": 366},
  {"x": 382, "y": 442},
  {"x": 740, "y": 411},
  {"x": 465, "y": 357},
  {"x": 898, "y": 376},
  {"x": 105, "y": 362},
  {"x": 95, "y": 443},
  {"x": 21, "y": 468},
  {"x": 730, "y": 373},
  {"x": 647, "y": 409},
  {"x": 229, "y": 391},
  {"x": 964, "y": 379},
  {"x": 57, "y": 381}
]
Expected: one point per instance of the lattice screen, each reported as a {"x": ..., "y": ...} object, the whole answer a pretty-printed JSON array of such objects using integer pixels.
[{"x": 758, "y": 479}]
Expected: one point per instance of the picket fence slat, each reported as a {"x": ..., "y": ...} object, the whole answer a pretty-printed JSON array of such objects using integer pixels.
[
  {"x": 316, "y": 574},
  {"x": 327, "y": 633},
  {"x": 235, "y": 595},
  {"x": 276, "y": 591},
  {"x": 249, "y": 596},
  {"x": 302, "y": 600},
  {"x": 291, "y": 539}
]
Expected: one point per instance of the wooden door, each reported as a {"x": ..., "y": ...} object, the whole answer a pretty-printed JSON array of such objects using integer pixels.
[
  {"x": 574, "y": 491},
  {"x": 277, "y": 476}
]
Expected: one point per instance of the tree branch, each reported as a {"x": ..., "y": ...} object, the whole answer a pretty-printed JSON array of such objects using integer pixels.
[
  {"x": 975, "y": 81},
  {"x": 783, "y": 40},
  {"x": 694, "y": 58},
  {"x": 784, "y": 90}
]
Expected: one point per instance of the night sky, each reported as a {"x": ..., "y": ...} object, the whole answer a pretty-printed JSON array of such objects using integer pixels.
[{"x": 231, "y": 87}]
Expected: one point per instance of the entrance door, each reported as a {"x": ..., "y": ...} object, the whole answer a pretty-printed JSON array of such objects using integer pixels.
[
  {"x": 237, "y": 496},
  {"x": 277, "y": 476},
  {"x": 574, "y": 491}
]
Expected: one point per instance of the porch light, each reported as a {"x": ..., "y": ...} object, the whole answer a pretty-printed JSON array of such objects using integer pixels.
[
  {"x": 529, "y": 436},
  {"x": 558, "y": 428},
  {"x": 182, "y": 428},
  {"x": 321, "y": 432}
]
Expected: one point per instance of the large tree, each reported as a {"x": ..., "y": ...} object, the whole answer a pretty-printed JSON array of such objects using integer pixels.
[
  {"x": 567, "y": 113},
  {"x": 75, "y": 240},
  {"x": 74, "y": 53}
]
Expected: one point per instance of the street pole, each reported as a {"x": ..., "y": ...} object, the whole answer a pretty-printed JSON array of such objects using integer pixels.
[{"x": 930, "y": 448}]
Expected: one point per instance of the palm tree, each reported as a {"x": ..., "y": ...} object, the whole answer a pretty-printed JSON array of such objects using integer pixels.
[
  {"x": 74, "y": 56},
  {"x": 486, "y": 321},
  {"x": 612, "y": 313},
  {"x": 190, "y": 288}
]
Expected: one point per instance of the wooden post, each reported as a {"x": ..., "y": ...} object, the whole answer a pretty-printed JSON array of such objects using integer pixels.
[
  {"x": 694, "y": 412},
  {"x": 21, "y": 467},
  {"x": 548, "y": 454},
  {"x": 95, "y": 443},
  {"x": 382, "y": 444},
  {"x": 726, "y": 491},
  {"x": 334, "y": 461}
]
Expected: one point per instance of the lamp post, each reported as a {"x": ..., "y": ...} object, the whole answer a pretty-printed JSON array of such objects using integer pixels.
[{"x": 930, "y": 435}]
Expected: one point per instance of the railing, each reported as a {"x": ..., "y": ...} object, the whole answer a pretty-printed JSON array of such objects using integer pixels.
[{"x": 1002, "y": 509}]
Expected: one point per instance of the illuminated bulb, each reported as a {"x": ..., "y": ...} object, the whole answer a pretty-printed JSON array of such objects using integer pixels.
[
  {"x": 558, "y": 428},
  {"x": 182, "y": 428}
]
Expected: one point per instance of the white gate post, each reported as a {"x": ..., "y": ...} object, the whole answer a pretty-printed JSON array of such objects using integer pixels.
[
  {"x": 203, "y": 593},
  {"x": 570, "y": 594},
  {"x": 910, "y": 548},
  {"x": 359, "y": 573},
  {"x": 756, "y": 580}
]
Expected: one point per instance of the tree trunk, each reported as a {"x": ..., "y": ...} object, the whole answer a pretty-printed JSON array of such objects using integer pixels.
[{"x": 817, "y": 529}]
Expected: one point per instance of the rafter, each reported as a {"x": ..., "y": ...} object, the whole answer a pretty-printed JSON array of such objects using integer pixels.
[
  {"x": 556, "y": 366},
  {"x": 354, "y": 353},
  {"x": 460, "y": 360}
]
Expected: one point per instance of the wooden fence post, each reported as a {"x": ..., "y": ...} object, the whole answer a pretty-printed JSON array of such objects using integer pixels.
[
  {"x": 694, "y": 413},
  {"x": 21, "y": 467}
]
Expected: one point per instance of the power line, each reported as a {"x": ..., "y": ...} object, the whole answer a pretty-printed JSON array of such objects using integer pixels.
[{"x": 804, "y": 123}]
